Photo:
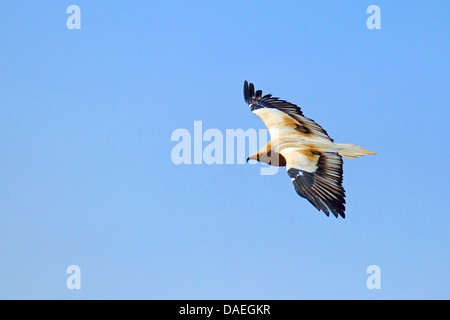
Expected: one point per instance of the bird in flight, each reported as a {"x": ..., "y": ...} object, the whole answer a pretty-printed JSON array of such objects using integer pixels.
[{"x": 313, "y": 161}]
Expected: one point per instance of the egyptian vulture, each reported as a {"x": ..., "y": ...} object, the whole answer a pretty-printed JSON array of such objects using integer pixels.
[{"x": 313, "y": 161}]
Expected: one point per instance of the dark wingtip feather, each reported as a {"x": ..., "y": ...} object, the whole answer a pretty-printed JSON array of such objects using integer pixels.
[
  {"x": 249, "y": 91},
  {"x": 246, "y": 91}
]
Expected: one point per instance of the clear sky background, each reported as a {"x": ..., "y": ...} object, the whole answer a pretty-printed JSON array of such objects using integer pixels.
[{"x": 86, "y": 176}]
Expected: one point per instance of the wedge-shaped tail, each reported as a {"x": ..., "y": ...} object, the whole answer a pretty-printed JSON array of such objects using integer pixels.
[{"x": 352, "y": 151}]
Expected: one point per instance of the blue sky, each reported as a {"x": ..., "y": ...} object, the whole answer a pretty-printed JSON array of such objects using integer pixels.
[{"x": 86, "y": 176}]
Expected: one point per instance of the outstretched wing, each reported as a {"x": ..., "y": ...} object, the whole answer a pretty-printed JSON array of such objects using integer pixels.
[
  {"x": 317, "y": 176},
  {"x": 281, "y": 115}
]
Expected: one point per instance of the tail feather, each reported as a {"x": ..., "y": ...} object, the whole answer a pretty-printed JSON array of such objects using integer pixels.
[{"x": 352, "y": 151}]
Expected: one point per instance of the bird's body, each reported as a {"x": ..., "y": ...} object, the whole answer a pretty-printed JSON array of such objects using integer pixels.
[{"x": 312, "y": 159}]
